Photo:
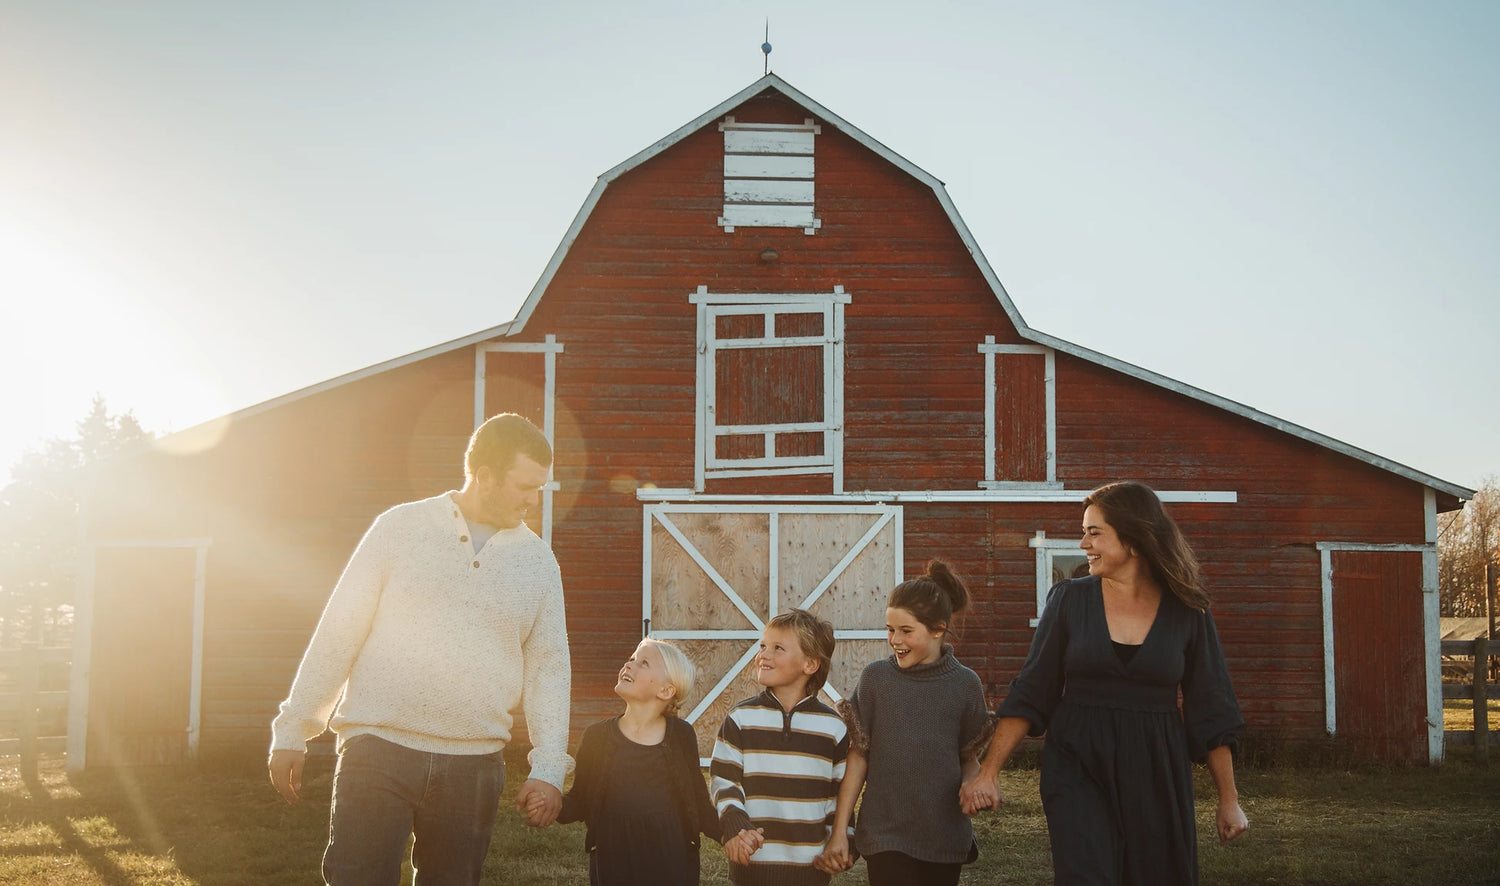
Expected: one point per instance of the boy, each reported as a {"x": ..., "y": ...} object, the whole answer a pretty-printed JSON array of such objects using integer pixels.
[{"x": 779, "y": 759}]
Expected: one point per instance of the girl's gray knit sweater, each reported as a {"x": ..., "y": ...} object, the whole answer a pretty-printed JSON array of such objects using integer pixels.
[{"x": 917, "y": 721}]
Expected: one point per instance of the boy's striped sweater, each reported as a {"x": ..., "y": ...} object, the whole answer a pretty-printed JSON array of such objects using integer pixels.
[{"x": 779, "y": 771}]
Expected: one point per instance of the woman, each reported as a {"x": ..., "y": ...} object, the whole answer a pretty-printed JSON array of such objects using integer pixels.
[{"x": 1109, "y": 656}]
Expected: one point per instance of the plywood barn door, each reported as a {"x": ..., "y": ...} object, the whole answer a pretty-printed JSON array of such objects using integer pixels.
[
  {"x": 715, "y": 577},
  {"x": 140, "y": 677}
]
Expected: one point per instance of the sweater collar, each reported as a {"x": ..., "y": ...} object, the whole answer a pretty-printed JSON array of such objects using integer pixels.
[{"x": 946, "y": 664}]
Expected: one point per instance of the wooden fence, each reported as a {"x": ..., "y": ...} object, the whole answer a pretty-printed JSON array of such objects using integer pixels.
[
  {"x": 29, "y": 707},
  {"x": 1480, "y": 690}
]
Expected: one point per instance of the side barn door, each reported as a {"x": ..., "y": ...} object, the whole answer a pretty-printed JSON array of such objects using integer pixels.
[
  {"x": 1379, "y": 674},
  {"x": 715, "y": 575}
]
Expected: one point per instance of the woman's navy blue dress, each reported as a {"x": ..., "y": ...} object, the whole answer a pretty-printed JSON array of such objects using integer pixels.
[{"x": 1116, "y": 781}]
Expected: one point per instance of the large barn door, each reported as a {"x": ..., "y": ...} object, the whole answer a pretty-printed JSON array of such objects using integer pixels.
[
  {"x": 141, "y": 670},
  {"x": 1379, "y": 674},
  {"x": 715, "y": 576}
]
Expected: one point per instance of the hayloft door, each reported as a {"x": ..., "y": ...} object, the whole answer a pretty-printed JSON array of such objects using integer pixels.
[
  {"x": 1379, "y": 672},
  {"x": 714, "y": 576},
  {"x": 142, "y": 670}
]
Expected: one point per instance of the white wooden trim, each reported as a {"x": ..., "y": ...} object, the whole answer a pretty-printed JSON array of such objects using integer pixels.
[
  {"x": 1049, "y": 372},
  {"x": 83, "y": 637},
  {"x": 990, "y": 409},
  {"x": 1363, "y": 546},
  {"x": 989, "y": 347},
  {"x": 1326, "y": 550},
  {"x": 647, "y": 514},
  {"x": 798, "y": 427},
  {"x": 787, "y": 506},
  {"x": 1330, "y": 697},
  {"x": 195, "y": 685},
  {"x": 773, "y": 562},
  {"x": 1432, "y": 631},
  {"x": 833, "y": 440},
  {"x": 1017, "y": 494},
  {"x": 753, "y": 299},
  {"x": 83, "y": 645},
  {"x": 766, "y": 472},
  {"x": 808, "y": 125}
]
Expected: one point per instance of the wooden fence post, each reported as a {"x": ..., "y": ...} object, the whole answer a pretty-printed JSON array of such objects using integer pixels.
[
  {"x": 1481, "y": 701},
  {"x": 28, "y": 682}
]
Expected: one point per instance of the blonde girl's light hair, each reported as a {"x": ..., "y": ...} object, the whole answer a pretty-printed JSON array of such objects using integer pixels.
[{"x": 680, "y": 672}]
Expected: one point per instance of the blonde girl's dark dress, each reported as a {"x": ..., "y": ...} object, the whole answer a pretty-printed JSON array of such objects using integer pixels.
[
  {"x": 1117, "y": 784},
  {"x": 645, "y": 806}
]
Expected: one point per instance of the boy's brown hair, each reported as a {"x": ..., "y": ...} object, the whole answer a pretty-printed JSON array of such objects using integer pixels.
[{"x": 815, "y": 637}]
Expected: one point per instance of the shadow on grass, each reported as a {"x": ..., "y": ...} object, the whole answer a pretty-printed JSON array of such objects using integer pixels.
[{"x": 53, "y": 813}]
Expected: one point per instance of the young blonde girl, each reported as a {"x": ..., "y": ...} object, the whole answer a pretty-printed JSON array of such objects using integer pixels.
[
  {"x": 918, "y": 717},
  {"x": 638, "y": 786}
]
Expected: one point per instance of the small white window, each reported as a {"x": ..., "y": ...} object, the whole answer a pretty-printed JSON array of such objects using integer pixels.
[
  {"x": 768, "y": 175},
  {"x": 1056, "y": 559},
  {"x": 770, "y": 381}
]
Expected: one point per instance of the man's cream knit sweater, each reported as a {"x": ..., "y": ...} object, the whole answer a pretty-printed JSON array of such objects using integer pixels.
[{"x": 432, "y": 645}]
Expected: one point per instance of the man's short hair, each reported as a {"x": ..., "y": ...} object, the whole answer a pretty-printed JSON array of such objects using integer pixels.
[{"x": 496, "y": 443}]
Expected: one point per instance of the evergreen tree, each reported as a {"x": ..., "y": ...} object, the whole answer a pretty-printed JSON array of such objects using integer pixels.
[{"x": 39, "y": 525}]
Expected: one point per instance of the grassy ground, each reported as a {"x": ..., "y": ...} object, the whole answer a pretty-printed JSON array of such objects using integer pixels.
[{"x": 155, "y": 827}]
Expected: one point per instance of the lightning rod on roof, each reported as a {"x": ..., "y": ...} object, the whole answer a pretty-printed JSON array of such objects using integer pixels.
[{"x": 765, "y": 48}]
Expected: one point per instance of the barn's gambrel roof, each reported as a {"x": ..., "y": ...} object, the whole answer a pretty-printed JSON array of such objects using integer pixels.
[{"x": 772, "y": 82}]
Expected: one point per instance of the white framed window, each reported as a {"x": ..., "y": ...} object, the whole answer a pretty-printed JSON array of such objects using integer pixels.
[
  {"x": 768, "y": 175},
  {"x": 770, "y": 384},
  {"x": 1020, "y": 415},
  {"x": 1056, "y": 559}
]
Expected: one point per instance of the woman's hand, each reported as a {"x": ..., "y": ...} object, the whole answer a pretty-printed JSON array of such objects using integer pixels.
[
  {"x": 978, "y": 794},
  {"x": 1231, "y": 820}
]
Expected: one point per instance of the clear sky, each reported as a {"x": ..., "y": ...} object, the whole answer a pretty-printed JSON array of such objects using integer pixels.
[{"x": 1295, "y": 205}]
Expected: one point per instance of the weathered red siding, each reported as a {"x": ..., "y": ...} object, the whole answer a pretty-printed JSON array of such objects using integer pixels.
[{"x": 287, "y": 493}]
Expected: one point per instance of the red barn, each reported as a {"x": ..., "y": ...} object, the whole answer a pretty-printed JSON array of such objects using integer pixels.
[{"x": 777, "y": 371}]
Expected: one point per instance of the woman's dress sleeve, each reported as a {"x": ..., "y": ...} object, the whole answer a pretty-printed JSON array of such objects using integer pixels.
[
  {"x": 1036, "y": 690},
  {"x": 1209, "y": 709}
]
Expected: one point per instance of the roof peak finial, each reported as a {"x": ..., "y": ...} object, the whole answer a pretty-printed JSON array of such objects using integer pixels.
[{"x": 765, "y": 48}]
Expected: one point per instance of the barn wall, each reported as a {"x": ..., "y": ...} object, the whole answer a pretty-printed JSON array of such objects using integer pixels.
[
  {"x": 285, "y": 496},
  {"x": 287, "y": 493}
]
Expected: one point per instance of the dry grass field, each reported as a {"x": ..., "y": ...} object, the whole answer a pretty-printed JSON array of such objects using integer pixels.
[{"x": 181, "y": 826}]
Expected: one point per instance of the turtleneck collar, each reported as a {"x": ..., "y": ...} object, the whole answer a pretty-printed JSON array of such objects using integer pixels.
[{"x": 931, "y": 670}]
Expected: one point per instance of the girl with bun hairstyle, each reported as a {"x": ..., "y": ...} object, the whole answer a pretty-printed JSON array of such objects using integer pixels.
[{"x": 916, "y": 720}]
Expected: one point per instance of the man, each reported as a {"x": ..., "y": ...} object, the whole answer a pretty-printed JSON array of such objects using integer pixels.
[{"x": 449, "y": 612}]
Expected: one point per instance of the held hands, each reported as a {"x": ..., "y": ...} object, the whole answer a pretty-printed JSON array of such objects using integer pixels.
[
  {"x": 1231, "y": 820},
  {"x": 744, "y": 844},
  {"x": 835, "y": 857},
  {"x": 286, "y": 772},
  {"x": 979, "y": 794},
  {"x": 540, "y": 802}
]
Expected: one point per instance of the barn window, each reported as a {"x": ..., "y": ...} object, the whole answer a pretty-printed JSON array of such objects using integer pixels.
[
  {"x": 1020, "y": 415},
  {"x": 768, "y": 175},
  {"x": 770, "y": 381},
  {"x": 1056, "y": 559}
]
